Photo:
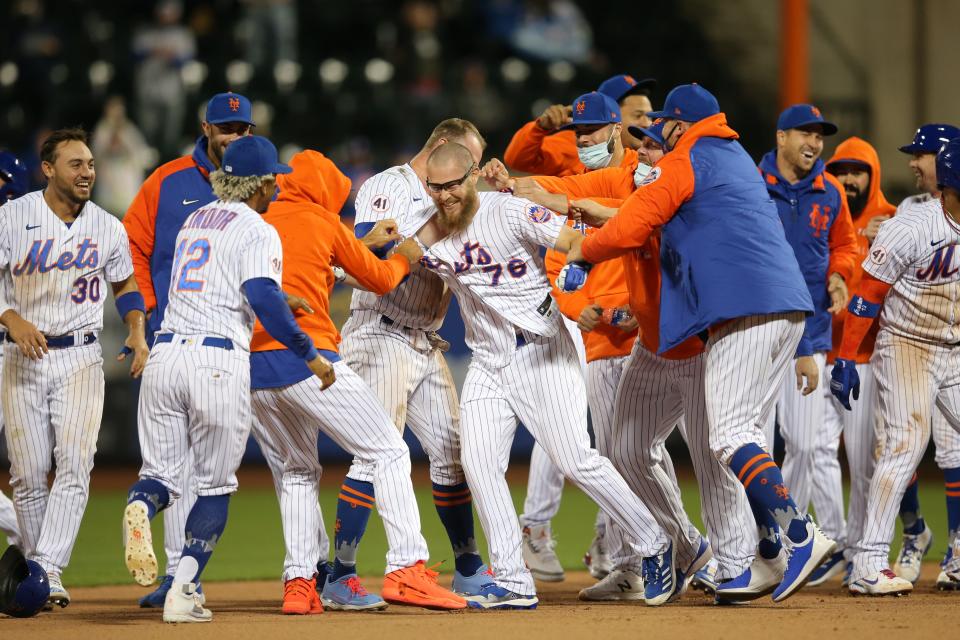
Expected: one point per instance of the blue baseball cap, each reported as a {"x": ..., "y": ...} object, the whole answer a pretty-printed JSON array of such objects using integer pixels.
[
  {"x": 930, "y": 137},
  {"x": 594, "y": 108},
  {"x": 252, "y": 156},
  {"x": 620, "y": 86},
  {"x": 688, "y": 102},
  {"x": 229, "y": 107},
  {"x": 802, "y": 115},
  {"x": 654, "y": 131}
]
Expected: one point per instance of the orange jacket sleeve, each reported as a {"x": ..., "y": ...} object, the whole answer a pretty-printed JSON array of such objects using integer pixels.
[
  {"x": 140, "y": 223},
  {"x": 844, "y": 248},
  {"x": 601, "y": 183},
  {"x": 855, "y": 327},
  {"x": 648, "y": 208},
  {"x": 378, "y": 276},
  {"x": 535, "y": 150},
  {"x": 570, "y": 304}
]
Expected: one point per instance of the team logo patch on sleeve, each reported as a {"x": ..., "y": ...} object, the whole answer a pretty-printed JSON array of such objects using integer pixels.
[
  {"x": 539, "y": 213},
  {"x": 380, "y": 204},
  {"x": 651, "y": 177},
  {"x": 878, "y": 255}
]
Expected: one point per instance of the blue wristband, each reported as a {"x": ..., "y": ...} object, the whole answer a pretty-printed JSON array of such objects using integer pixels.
[
  {"x": 859, "y": 306},
  {"x": 131, "y": 301}
]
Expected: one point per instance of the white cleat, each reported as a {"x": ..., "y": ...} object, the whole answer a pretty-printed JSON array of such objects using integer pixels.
[
  {"x": 758, "y": 580},
  {"x": 948, "y": 581},
  {"x": 882, "y": 583},
  {"x": 913, "y": 548},
  {"x": 58, "y": 594},
  {"x": 618, "y": 585},
  {"x": 183, "y": 604},
  {"x": 596, "y": 558},
  {"x": 138, "y": 544},
  {"x": 538, "y": 553}
]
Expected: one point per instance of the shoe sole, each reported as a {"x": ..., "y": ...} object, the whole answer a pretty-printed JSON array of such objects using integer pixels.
[
  {"x": 733, "y": 597},
  {"x": 434, "y": 604},
  {"x": 140, "y": 558},
  {"x": 336, "y": 606},
  {"x": 895, "y": 594},
  {"x": 175, "y": 619},
  {"x": 522, "y": 604},
  {"x": 613, "y": 597},
  {"x": 948, "y": 586},
  {"x": 548, "y": 577},
  {"x": 813, "y": 563},
  {"x": 60, "y": 601},
  {"x": 832, "y": 572}
]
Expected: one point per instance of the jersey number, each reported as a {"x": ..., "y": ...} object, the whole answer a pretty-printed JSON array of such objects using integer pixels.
[
  {"x": 199, "y": 253},
  {"x": 86, "y": 289},
  {"x": 516, "y": 268}
]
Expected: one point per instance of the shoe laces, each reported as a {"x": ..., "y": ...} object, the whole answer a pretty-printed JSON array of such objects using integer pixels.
[
  {"x": 543, "y": 542},
  {"x": 357, "y": 589},
  {"x": 652, "y": 569},
  {"x": 298, "y": 587},
  {"x": 910, "y": 549}
]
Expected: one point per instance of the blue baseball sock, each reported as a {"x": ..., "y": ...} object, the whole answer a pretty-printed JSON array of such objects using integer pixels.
[
  {"x": 913, "y": 523},
  {"x": 205, "y": 526},
  {"x": 768, "y": 495},
  {"x": 152, "y": 492},
  {"x": 951, "y": 480},
  {"x": 354, "y": 505},
  {"x": 455, "y": 507}
]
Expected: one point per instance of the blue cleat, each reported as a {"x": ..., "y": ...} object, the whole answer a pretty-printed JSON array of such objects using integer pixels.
[
  {"x": 757, "y": 580},
  {"x": 347, "y": 594},
  {"x": 660, "y": 577},
  {"x": 706, "y": 579},
  {"x": 324, "y": 570},
  {"x": 847, "y": 572},
  {"x": 804, "y": 559},
  {"x": 831, "y": 568},
  {"x": 472, "y": 585},
  {"x": 493, "y": 596},
  {"x": 155, "y": 599}
]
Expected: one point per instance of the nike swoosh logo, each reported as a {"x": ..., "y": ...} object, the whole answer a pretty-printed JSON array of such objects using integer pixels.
[
  {"x": 871, "y": 581},
  {"x": 186, "y": 202},
  {"x": 933, "y": 244},
  {"x": 31, "y": 228},
  {"x": 417, "y": 199}
]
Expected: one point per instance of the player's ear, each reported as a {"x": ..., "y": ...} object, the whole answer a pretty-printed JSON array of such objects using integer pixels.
[{"x": 47, "y": 169}]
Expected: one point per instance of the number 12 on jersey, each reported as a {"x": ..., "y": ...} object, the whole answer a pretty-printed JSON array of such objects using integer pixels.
[{"x": 197, "y": 255}]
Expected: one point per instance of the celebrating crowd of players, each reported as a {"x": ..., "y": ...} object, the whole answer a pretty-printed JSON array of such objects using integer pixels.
[{"x": 692, "y": 280}]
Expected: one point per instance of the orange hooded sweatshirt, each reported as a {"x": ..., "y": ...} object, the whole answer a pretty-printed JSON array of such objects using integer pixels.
[
  {"x": 306, "y": 216},
  {"x": 858, "y": 150},
  {"x": 535, "y": 150}
]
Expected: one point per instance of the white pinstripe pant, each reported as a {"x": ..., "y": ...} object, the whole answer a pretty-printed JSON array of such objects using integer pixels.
[
  {"x": 414, "y": 385},
  {"x": 352, "y": 416},
  {"x": 53, "y": 408},
  {"x": 8, "y": 515},
  {"x": 655, "y": 395},
  {"x": 542, "y": 387},
  {"x": 913, "y": 378}
]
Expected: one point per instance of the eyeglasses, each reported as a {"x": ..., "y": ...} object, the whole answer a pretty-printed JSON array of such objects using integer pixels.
[{"x": 453, "y": 184}]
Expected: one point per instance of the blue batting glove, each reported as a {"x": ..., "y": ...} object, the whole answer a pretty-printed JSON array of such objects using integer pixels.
[
  {"x": 844, "y": 379},
  {"x": 573, "y": 276}
]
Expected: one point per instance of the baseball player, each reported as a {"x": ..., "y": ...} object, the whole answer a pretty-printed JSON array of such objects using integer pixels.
[
  {"x": 391, "y": 343},
  {"x": 196, "y": 387},
  {"x": 168, "y": 196},
  {"x": 813, "y": 209},
  {"x": 486, "y": 248},
  {"x": 14, "y": 182},
  {"x": 911, "y": 275},
  {"x": 719, "y": 230},
  {"x": 545, "y": 146},
  {"x": 653, "y": 395},
  {"x": 857, "y": 167},
  {"x": 58, "y": 252},
  {"x": 288, "y": 401}
]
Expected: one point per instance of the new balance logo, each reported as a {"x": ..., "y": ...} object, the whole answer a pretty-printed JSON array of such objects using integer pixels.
[{"x": 624, "y": 586}]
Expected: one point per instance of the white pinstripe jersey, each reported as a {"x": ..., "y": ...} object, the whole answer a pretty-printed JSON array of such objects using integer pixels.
[
  {"x": 495, "y": 270},
  {"x": 220, "y": 246},
  {"x": 918, "y": 252},
  {"x": 56, "y": 276},
  {"x": 421, "y": 301}
]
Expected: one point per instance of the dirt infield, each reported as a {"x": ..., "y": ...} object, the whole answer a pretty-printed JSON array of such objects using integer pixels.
[{"x": 251, "y": 610}]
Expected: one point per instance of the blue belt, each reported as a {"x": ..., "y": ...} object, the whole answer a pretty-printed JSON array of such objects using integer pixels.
[
  {"x": 62, "y": 342},
  {"x": 209, "y": 341},
  {"x": 390, "y": 322}
]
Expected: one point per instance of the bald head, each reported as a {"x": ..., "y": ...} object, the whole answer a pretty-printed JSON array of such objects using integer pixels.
[{"x": 450, "y": 157}]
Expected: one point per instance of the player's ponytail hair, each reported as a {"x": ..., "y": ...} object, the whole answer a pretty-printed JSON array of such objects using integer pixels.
[{"x": 236, "y": 188}]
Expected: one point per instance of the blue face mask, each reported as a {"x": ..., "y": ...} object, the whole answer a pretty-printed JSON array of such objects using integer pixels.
[
  {"x": 597, "y": 156},
  {"x": 641, "y": 172}
]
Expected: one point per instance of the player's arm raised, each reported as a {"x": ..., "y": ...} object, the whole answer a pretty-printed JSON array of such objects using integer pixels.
[{"x": 130, "y": 306}]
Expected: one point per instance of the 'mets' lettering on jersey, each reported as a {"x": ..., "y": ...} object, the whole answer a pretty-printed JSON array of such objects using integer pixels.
[
  {"x": 940, "y": 266},
  {"x": 38, "y": 258}
]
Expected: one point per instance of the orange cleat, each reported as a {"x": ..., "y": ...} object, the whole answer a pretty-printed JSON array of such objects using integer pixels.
[
  {"x": 300, "y": 597},
  {"x": 417, "y": 586}
]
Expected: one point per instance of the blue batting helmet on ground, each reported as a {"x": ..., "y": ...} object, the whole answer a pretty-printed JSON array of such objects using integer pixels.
[
  {"x": 948, "y": 165},
  {"x": 24, "y": 588},
  {"x": 14, "y": 177}
]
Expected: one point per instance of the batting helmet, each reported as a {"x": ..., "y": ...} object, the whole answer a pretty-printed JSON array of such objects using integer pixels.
[
  {"x": 948, "y": 165},
  {"x": 930, "y": 137},
  {"x": 14, "y": 177},
  {"x": 23, "y": 585}
]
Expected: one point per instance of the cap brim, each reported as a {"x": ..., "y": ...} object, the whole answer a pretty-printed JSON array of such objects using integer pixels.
[
  {"x": 226, "y": 120},
  {"x": 828, "y": 128},
  {"x": 282, "y": 168},
  {"x": 641, "y": 132},
  {"x": 653, "y": 115},
  {"x": 642, "y": 85},
  {"x": 586, "y": 123},
  {"x": 913, "y": 148}
]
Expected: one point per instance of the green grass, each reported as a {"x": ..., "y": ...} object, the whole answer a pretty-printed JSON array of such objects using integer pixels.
[{"x": 252, "y": 547}]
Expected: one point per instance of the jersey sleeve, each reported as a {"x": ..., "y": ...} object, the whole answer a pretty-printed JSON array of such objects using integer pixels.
[
  {"x": 140, "y": 223},
  {"x": 378, "y": 276},
  {"x": 262, "y": 255},
  {"x": 383, "y": 196},
  {"x": 892, "y": 252},
  {"x": 534, "y": 223},
  {"x": 119, "y": 265},
  {"x": 534, "y": 150}
]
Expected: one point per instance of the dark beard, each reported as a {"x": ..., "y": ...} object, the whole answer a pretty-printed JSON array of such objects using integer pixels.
[
  {"x": 857, "y": 203},
  {"x": 468, "y": 206}
]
